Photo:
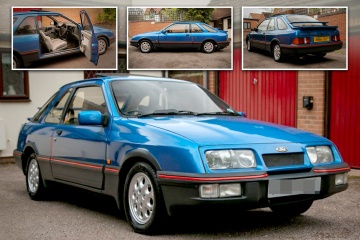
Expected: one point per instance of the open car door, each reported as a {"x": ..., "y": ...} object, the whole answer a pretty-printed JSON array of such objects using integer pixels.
[{"x": 89, "y": 42}]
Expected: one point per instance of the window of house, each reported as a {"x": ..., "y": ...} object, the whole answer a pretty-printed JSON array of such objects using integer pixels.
[
  {"x": 247, "y": 25},
  {"x": 14, "y": 85},
  {"x": 229, "y": 23},
  {"x": 28, "y": 26}
]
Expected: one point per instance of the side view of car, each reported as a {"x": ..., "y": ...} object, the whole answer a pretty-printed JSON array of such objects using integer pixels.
[
  {"x": 161, "y": 146},
  {"x": 295, "y": 35},
  {"x": 39, "y": 35},
  {"x": 196, "y": 35}
]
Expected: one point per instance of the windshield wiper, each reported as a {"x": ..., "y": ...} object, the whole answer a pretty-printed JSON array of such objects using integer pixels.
[{"x": 167, "y": 112}]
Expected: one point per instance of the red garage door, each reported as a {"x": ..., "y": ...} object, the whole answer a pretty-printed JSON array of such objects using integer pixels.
[
  {"x": 345, "y": 107},
  {"x": 264, "y": 95}
]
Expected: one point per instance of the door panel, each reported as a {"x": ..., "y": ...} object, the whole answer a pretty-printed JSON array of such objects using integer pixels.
[{"x": 89, "y": 42}]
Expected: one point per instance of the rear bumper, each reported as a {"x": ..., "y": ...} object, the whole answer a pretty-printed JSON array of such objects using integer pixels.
[
  {"x": 182, "y": 192},
  {"x": 310, "y": 48},
  {"x": 223, "y": 44}
]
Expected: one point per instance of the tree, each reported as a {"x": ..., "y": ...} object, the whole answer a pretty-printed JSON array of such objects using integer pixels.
[
  {"x": 189, "y": 14},
  {"x": 108, "y": 16}
]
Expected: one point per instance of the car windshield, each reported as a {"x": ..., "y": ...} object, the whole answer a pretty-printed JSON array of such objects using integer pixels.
[
  {"x": 143, "y": 98},
  {"x": 303, "y": 21}
]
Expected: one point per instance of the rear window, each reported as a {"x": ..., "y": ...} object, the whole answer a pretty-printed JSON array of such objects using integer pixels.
[{"x": 303, "y": 21}]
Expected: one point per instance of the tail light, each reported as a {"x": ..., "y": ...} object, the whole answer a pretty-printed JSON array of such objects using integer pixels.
[
  {"x": 305, "y": 40},
  {"x": 335, "y": 38}
]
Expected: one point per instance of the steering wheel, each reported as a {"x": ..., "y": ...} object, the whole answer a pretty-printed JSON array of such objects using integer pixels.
[
  {"x": 63, "y": 30},
  {"x": 132, "y": 111}
]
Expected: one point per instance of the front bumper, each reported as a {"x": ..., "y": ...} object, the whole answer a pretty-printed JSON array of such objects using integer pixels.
[
  {"x": 182, "y": 192},
  {"x": 134, "y": 43},
  {"x": 310, "y": 48}
]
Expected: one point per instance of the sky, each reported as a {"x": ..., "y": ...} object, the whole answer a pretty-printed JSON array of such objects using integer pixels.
[{"x": 247, "y": 11}]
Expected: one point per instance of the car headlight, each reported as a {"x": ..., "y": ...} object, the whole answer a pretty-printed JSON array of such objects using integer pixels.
[
  {"x": 224, "y": 159},
  {"x": 320, "y": 154}
]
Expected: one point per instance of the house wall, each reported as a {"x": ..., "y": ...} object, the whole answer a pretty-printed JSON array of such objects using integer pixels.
[
  {"x": 336, "y": 19},
  {"x": 311, "y": 83},
  {"x": 14, "y": 114},
  {"x": 227, "y": 28},
  {"x": 253, "y": 24},
  {"x": 145, "y": 26}
]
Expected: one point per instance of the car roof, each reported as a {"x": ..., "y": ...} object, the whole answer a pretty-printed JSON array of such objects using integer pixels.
[
  {"x": 35, "y": 13},
  {"x": 188, "y": 22},
  {"x": 123, "y": 77}
]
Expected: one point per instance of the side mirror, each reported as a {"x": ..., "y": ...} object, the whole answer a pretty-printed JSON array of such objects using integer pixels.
[
  {"x": 163, "y": 31},
  {"x": 254, "y": 29},
  {"x": 52, "y": 23},
  {"x": 92, "y": 117},
  {"x": 242, "y": 114}
]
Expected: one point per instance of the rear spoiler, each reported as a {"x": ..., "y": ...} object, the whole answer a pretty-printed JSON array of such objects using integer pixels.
[{"x": 315, "y": 27}]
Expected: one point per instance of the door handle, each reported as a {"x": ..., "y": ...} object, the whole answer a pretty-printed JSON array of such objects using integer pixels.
[{"x": 59, "y": 132}]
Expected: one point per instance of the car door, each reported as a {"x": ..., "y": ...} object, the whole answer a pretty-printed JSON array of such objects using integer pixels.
[
  {"x": 79, "y": 151},
  {"x": 89, "y": 42},
  {"x": 177, "y": 36},
  {"x": 258, "y": 38}
]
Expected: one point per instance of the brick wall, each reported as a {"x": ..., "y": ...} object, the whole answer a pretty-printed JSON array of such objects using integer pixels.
[
  {"x": 145, "y": 26},
  {"x": 336, "y": 19},
  {"x": 311, "y": 83},
  {"x": 253, "y": 24},
  {"x": 74, "y": 13}
]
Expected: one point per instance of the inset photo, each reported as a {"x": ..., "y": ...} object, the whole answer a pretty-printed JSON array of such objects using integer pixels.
[
  {"x": 180, "y": 38},
  {"x": 295, "y": 38},
  {"x": 64, "y": 38}
]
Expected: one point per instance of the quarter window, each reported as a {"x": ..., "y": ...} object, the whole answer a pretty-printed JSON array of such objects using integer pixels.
[
  {"x": 208, "y": 28},
  {"x": 86, "y": 98},
  {"x": 281, "y": 25},
  {"x": 28, "y": 26},
  {"x": 263, "y": 25},
  {"x": 195, "y": 28}
]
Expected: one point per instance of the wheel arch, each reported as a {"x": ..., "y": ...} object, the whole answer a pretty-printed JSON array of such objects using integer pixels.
[
  {"x": 29, "y": 149},
  {"x": 273, "y": 42},
  {"x": 18, "y": 55}
]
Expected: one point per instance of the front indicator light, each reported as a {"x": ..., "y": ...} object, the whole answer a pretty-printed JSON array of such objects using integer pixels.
[
  {"x": 220, "y": 190},
  {"x": 341, "y": 179}
]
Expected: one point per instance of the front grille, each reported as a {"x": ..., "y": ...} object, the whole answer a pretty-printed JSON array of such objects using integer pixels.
[{"x": 284, "y": 159}]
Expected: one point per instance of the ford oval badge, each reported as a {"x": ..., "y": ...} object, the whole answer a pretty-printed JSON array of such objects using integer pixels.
[{"x": 281, "y": 149}]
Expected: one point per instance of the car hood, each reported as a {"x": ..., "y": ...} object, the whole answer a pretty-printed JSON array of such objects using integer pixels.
[
  {"x": 98, "y": 29},
  {"x": 146, "y": 34},
  {"x": 223, "y": 130}
]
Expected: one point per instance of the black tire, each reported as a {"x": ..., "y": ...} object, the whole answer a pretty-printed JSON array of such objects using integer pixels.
[
  {"x": 16, "y": 62},
  {"x": 145, "y": 46},
  {"x": 248, "y": 46},
  {"x": 277, "y": 53},
  {"x": 208, "y": 47},
  {"x": 292, "y": 209},
  {"x": 102, "y": 45},
  {"x": 141, "y": 186},
  {"x": 34, "y": 181}
]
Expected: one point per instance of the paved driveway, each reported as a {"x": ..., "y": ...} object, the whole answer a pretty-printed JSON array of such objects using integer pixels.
[
  {"x": 179, "y": 59},
  {"x": 75, "y": 214},
  {"x": 263, "y": 60}
]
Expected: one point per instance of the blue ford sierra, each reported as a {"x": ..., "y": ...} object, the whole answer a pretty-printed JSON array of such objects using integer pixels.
[
  {"x": 295, "y": 35},
  {"x": 196, "y": 35},
  {"x": 41, "y": 35},
  {"x": 160, "y": 146}
]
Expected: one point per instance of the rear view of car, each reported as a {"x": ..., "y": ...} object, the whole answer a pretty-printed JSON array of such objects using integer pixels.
[{"x": 295, "y": 35}]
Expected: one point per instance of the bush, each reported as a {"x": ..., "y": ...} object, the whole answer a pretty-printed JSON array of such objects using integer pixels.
[{"x": 108, "y": 16}]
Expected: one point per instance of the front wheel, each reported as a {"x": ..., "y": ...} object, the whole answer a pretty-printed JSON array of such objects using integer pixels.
[
  {"x": 292, "y": 209},
  {"x": 16, "y": 62},
  {"x": 277, "y": 54},
  {"x": 34, "y": 183},
  {"x": 249, "y": 47},
  {"x": 102, "y": 45},
  {"x": 143, "y": 201},
  {"x": 145, "y": 46},
  {"x": 208, "y": 47}
]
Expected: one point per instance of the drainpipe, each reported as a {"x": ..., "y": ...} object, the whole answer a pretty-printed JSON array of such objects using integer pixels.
[
  {"x": 327, "y": 104},
  {"x": 206, "y": 79}
]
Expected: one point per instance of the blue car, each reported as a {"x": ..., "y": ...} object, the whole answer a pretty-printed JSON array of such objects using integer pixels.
[
  {"x": 40, "y": 35},
  {"x": 196, "y": 35},
  {"x": 295, "y": 35},
  {"x": 160, "y": 146}
]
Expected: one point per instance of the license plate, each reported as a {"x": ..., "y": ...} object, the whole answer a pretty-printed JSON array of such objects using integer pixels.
[
  {"x": 322, "y": 39},
  {"x": 289, "y": 187}
]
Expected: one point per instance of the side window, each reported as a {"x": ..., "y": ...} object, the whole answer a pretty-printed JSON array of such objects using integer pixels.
[
  {"x": 27, "y": 26},
  {"x": 40, "y": 113},
  {"x": 195, "y": 28},
  {"x": 271, "y": 25},
  {"x": 263, "y": 25},
  {"x": 55, "y": 113},
  {"x": 86, "y": 98},
  {"x": 208, "y": 28},
  {"x": 85, "y": 23},
  {"x": 178, "y": 28},
  {"x": 280, "y": 24}
]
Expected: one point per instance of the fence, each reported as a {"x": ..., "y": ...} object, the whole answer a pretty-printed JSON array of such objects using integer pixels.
[{"x": 156, "y": 15}]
